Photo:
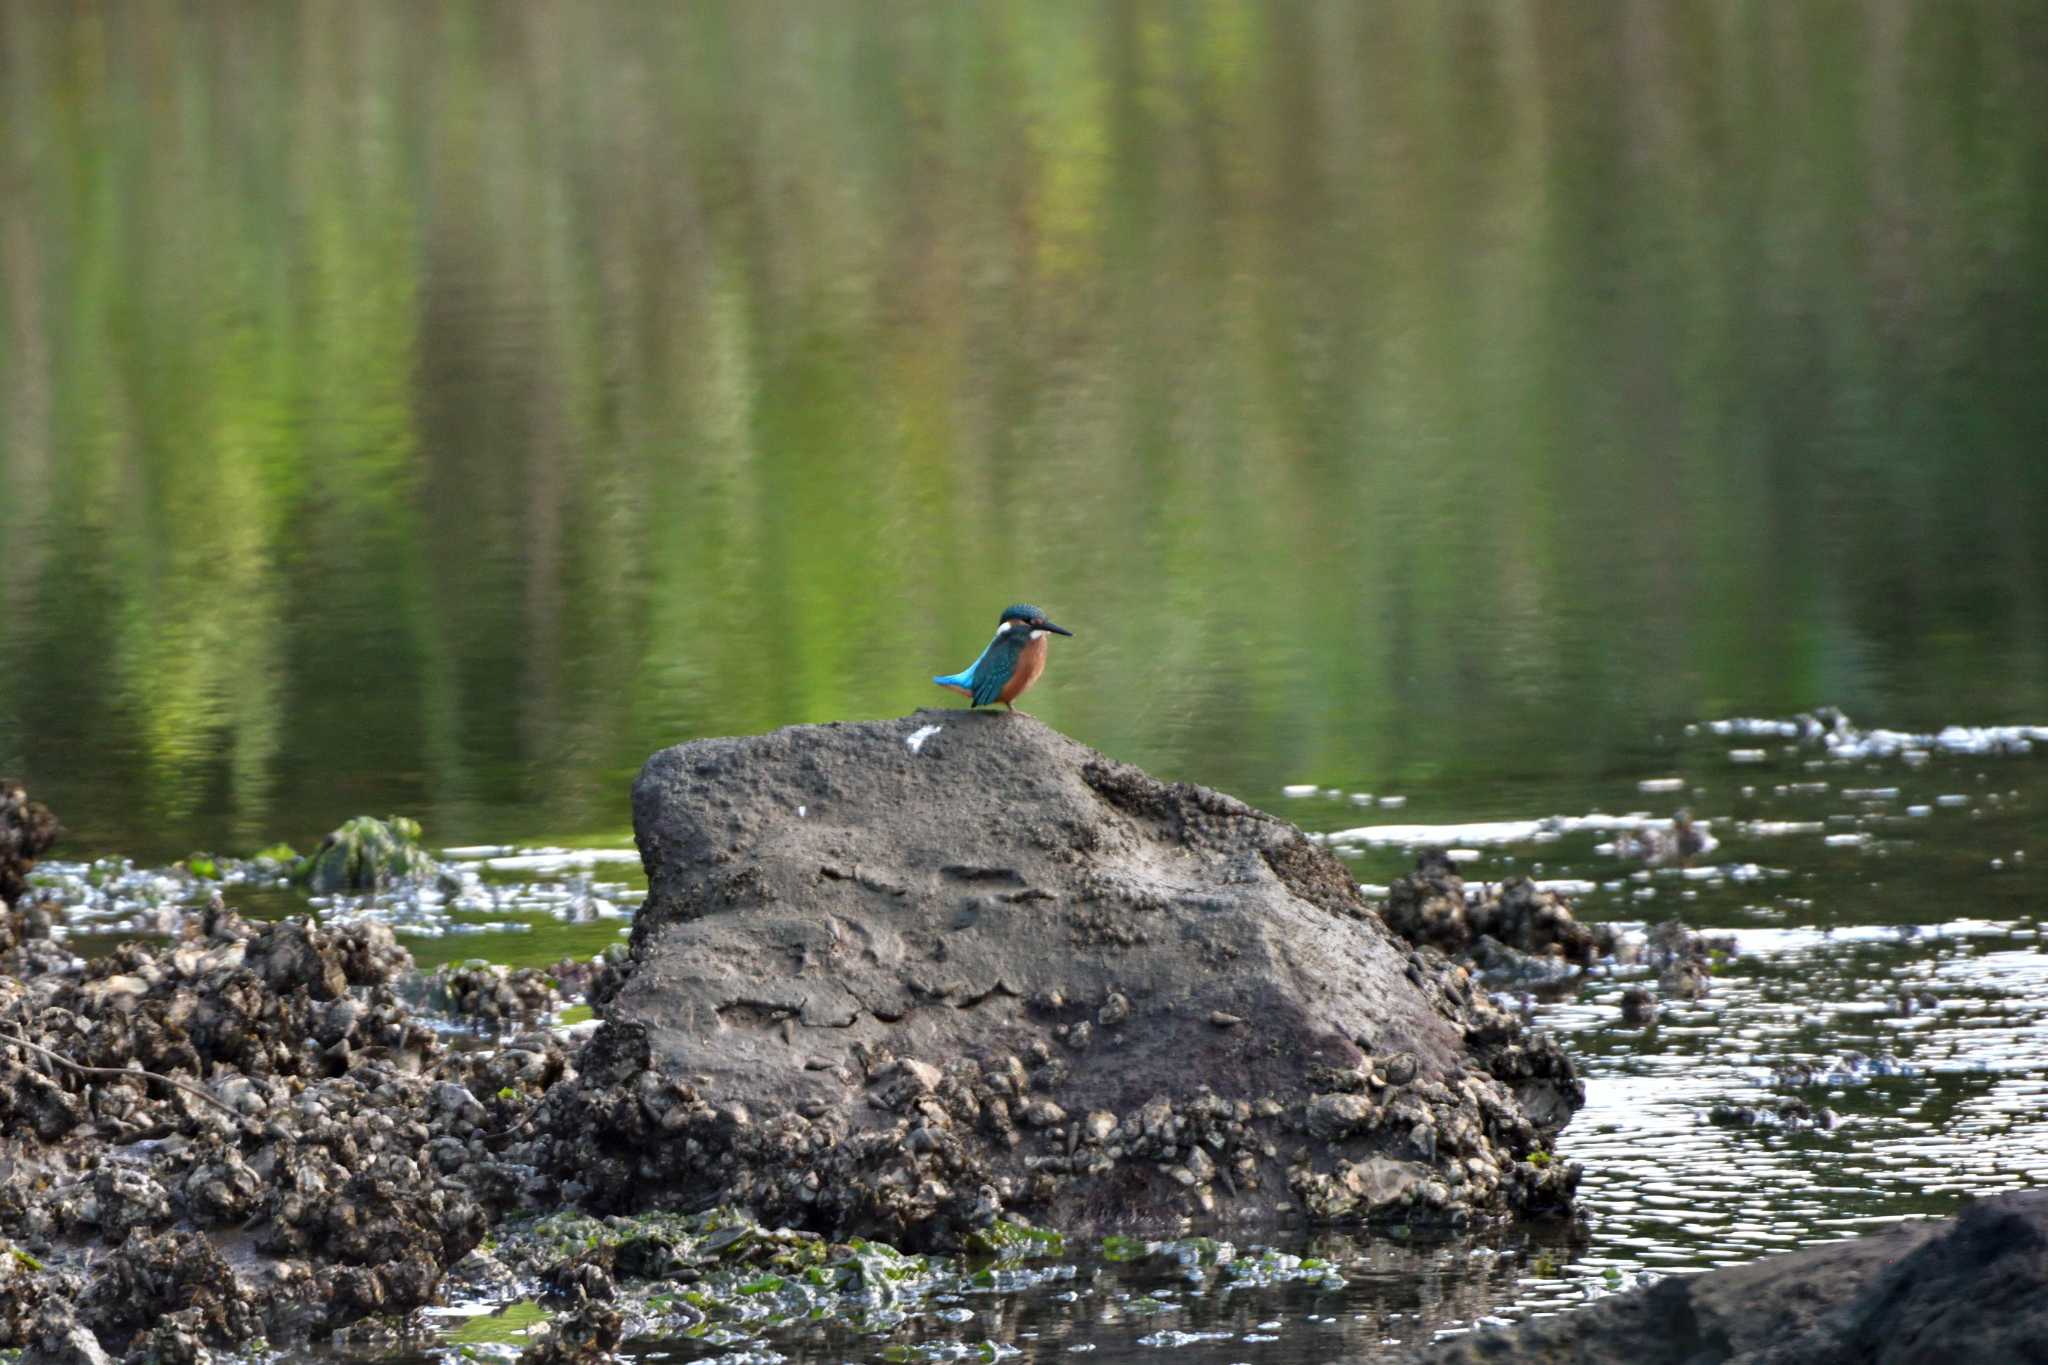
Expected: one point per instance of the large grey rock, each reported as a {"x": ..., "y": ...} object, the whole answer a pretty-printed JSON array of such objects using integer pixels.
[
  {"x": 880, "y": 965},
  {"x": 1970, "y": 1290}
]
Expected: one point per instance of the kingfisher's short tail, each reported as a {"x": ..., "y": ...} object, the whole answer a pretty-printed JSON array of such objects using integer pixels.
[{"x": 959, "y": 682}]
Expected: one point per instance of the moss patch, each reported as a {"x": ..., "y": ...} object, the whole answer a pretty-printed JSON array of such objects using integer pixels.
[{"x": 366, "y": 853}]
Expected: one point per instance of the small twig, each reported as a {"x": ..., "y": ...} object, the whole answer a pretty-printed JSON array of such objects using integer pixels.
[{"x": 123, "y": 1073}]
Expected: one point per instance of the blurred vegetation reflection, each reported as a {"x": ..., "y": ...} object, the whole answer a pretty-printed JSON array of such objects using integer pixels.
[{"x": 438, "y": 407}]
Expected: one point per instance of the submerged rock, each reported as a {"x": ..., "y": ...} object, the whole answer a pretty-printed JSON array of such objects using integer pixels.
[
  {"x": 1961, "y": 1290},
  {"x": 1785, "y": 1113},
  {"x": 1678, "y": 842},
  {"x": 904, "y": 991},
  {"x": 1684, "y": 960},
  {"x": 365, "y": 854}
]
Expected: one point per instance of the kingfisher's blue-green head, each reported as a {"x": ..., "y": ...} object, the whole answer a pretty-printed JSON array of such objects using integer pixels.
[{"x": 1023, "y": 618}]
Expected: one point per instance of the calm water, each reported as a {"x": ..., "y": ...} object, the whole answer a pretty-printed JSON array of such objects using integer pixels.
[
  {"x": 436, "y": 408},
  {"x": 439, "y": 407}
]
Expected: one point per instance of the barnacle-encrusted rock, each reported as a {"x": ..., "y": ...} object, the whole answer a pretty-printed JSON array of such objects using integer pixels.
[
  {"x": 177, "y": 1273},
  {"x": 27, "y": 830},
  {"x": 344, "y": 1155},
  {"x": 491, "y": 994},
  {"x": 902, "y": 991},
  {"x": 1430, "y": 906}
]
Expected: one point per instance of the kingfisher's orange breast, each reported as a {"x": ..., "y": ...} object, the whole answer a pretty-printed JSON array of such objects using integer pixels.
[{"x": 1030, "y": 663}]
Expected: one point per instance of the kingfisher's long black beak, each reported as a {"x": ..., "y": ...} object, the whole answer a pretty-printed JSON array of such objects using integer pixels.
[{"x": 1057, "y": 630}]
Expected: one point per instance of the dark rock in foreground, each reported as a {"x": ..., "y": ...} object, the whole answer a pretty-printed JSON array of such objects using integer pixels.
[
  {"x": 1958, "y": 1291},
  {"x": 902, "y": 977},
  {"x": 300, "y": 1153},
  {"x": 27, "y": 830}
]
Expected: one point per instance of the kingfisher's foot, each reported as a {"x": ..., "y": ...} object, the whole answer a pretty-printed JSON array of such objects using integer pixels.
[{"x": 1015, "y": 712}]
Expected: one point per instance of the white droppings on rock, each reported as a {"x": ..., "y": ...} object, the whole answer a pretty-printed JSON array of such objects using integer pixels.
[{"x": 916, "y": 738}]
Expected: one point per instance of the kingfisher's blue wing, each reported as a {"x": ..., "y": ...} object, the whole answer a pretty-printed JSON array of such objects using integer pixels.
[{"x": 991, "y": 671}]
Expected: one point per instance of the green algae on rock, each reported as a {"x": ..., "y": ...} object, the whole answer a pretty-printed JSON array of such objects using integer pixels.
[
  {"x": 508, "y": 1324},
  {"x": 366, "y": 853},
  {"x": 722, "y": 1278}
]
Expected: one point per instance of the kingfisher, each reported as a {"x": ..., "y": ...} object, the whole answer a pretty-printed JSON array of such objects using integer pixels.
[{"x": 1012, "y": 661}]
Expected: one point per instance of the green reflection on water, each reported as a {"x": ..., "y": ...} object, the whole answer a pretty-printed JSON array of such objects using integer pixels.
[{"x": 437, "y": 408}]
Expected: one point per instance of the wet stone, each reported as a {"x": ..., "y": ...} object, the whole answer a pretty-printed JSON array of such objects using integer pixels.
[
  {"x": 125, "y": 1198},
  {"x": 905, "y": 1082},
  {"x": 1336, "y": 1116},
  {"x": 1043, "y": 1114}
]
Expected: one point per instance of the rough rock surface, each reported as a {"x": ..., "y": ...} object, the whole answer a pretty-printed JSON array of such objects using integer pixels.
[
  {"x": 27, "y": 830},
  {"x": 1431, "y": 906},
  {"x": 903, "y": 977},
  {"x": 491, "y": 995},
  {"x": 1957, "y": 1291},
  {"x": 360, "y": 1159}
]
